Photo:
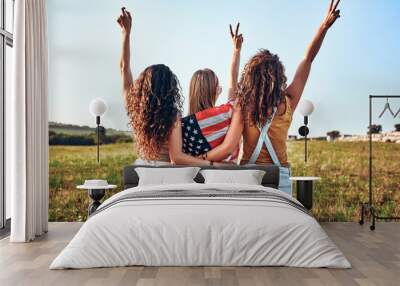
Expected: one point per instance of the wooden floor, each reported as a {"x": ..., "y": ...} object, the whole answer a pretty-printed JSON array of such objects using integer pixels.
[{"x": 375, "y": 257}]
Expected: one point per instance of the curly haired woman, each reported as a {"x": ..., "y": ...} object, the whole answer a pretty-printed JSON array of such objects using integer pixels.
[
  {"x": 268, "y": 103},
  {"x": 154, "y": 106}
]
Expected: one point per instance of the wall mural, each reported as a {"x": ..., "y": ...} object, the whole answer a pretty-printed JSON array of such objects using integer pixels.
[{"x": 85, "y": 49}]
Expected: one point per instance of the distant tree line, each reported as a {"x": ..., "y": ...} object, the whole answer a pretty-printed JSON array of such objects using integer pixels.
[
  {"x": 373, "y": 129},
  {"x": 70, "y": 126},
  {"x": 56, "y": 138},
  {"x": 335, "y": 134},
  {"x": 376, "y": 129},
  {"x": 87, "y": 139},
  {"x": 56, "y": 126}
]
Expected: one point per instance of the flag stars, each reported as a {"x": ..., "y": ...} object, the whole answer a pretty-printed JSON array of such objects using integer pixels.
[{"x": 193, "y": 141}]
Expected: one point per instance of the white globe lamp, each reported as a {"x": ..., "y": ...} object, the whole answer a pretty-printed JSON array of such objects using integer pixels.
[
  {"x": 306, "y": 107},
  {"x": 97, "y": 107}
]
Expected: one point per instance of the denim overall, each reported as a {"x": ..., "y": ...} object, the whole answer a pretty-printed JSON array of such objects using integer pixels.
[{"x": 285, "y": 184}]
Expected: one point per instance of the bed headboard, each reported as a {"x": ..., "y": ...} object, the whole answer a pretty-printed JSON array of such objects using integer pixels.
[{"x": 271, "y": 177}]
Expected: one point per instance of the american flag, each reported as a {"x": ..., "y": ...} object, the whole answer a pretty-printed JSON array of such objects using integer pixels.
[{"x": 206, "y": 129}]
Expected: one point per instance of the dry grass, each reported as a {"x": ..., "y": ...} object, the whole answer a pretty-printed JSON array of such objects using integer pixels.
[
  {"x": 71, "y": 165},
  {"x": 343, "y": 167}
]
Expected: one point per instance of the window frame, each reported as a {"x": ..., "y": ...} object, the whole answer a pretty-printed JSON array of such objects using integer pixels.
[{"x": 6, "y": 39}]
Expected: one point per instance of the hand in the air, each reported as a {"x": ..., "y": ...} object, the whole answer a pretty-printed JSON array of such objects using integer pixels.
[
  {"x": 237, "y": 38},
  {"x": 332, "y": 16},
  {"x": 125, "y": 21}
]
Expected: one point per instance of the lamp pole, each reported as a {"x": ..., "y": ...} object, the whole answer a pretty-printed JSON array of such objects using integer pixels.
[
  {"x": 305, "y": 138},
  {"x": 97, "y": 108},
  {"x": 98, "y": 138},
  {"x": 306, "y": 108},
  {"x": 303, "y": 131}
]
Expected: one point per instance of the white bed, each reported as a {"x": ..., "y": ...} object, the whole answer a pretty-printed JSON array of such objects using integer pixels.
[{"x": 248, "y": 226}]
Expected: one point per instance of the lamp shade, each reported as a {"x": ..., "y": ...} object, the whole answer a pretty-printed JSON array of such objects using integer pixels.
[
  {"x": 306, "y": 107},
  {"x": 97, "y": 107}
]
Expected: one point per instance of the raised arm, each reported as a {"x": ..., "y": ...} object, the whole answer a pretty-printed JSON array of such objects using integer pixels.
[
  {"x": 231, "y": 141},
  {"x": 125, "y": 22},
  {"x": 296, "y": 88},
  {"x": 237, "y": 40}
]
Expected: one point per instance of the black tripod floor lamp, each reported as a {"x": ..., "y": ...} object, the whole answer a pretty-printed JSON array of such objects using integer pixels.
[
  {"x": 306, "y": 107},
  {"x": 369, "y": 208},
  {"x": 97, "y": 108}
]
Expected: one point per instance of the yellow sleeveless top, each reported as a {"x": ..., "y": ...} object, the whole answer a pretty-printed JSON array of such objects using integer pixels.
[{"x": 278, "y": 133}]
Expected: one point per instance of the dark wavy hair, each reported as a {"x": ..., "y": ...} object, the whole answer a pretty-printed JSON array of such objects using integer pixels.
[
  {"x": 261, "y": 87},
  {"x": 154, "y": 104}
]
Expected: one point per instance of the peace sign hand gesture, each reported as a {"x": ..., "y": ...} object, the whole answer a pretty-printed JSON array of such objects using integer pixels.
[
  {"x": 237, "y": 38},
  {"x": 332, "y": 16},
  {"x": 125, "y": 21}
]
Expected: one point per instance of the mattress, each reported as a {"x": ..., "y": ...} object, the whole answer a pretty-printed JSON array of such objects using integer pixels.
[{"x": 201, "y": 225}]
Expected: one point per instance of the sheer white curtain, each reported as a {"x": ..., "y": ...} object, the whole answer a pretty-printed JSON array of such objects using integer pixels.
[{"x": 28, "y": 148}]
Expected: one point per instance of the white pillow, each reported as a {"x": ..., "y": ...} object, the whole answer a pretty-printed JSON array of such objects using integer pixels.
[
  {"x": 166, "y": 176},
  {"x": 248, "y": 177}
]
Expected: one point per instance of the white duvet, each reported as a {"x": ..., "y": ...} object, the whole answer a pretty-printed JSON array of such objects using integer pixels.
[{"x": 201, "y": 231}]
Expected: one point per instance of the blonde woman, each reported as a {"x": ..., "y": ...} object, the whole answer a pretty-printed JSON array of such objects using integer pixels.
[{"x": 213, "y": 132}]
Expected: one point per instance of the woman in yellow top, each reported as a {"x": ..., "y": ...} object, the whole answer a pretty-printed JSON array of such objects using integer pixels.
[{"x": 268, "y": 103}]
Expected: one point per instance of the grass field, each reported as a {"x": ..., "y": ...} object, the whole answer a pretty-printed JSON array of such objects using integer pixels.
[
  {"x": 342, "y": 165},
  {"x": 71, "y": 165}
]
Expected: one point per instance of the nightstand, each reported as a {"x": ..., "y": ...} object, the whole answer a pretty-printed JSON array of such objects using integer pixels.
[
  {"x": 96, "y": 191},
  {"x": 304, "y": 189}
]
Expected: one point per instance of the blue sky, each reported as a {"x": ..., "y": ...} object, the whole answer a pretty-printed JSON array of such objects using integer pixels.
[{"x": 360, "y": 55}]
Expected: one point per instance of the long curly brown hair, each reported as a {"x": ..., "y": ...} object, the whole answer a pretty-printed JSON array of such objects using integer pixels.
[
  {"x": 154, "y": 104},
  {"x": 262, "y": 87}
]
